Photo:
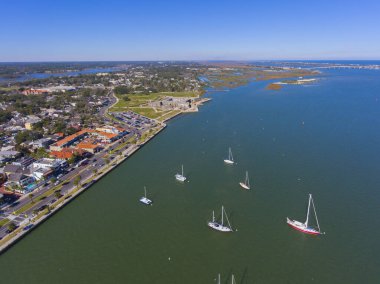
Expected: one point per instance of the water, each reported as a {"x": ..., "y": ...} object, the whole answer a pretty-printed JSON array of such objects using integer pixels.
[
  {"x": 32, "y": 76},
  {"x": 321, "y": 139}
]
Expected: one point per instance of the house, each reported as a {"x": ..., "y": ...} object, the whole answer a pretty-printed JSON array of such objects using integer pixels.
[
  {"x": 31, "y": 120},
  {"x": 41, "y": 173},
  {"x": 19, "y": 179},
  {"x": 41, "y": 143},
  {"x": 8, "y": 148},
  {"x": 24, "y": 162},
  {"x": 9, "y": 155},
  {"x": 12, "y": 169},
  {"x": 46, "y": 163}
]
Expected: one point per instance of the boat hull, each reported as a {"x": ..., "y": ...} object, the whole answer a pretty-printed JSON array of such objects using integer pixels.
[
  {"x": 219, "y": 227},
  {"x": 301, "y": 227},
  {"x": 228, "y": 162},
  {"x": 243, "y": 185},
  {"x": 180, "y": 178},
  {"x": 146, "y": 201}
]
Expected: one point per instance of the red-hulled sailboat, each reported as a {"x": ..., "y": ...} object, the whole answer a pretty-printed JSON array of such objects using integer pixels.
[{"x": 304, "y": 227}]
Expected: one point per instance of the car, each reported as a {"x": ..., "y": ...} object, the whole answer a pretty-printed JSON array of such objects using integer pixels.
[
  {"x": 57, "y": 182},
  {"x": 52, "y": 201},
  {"x": 27, "y": 227},
  {"x": 42, "y": 207}
]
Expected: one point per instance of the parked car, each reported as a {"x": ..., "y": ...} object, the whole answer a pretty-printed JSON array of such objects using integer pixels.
[{"x": 27, "y": 227}]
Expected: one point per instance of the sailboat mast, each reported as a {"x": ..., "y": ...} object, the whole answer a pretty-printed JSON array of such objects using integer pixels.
[
  {"x": 308, "y": 210},
  {"x": 233, "y": 279},
  {"x": 222, "y": 214},
  {"x": 219, "y": 278},
  {"x": 247, "y": 179},
  {"x": 145, "y": 191},
  {"x": 182, "y": 170},
  {"x": 213, "y": 216}
]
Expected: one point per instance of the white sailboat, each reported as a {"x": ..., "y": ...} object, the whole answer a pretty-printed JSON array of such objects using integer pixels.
[
  {"x": 245, "y": 184},
  {"x": 180, "y": 177},
  {"x": 232, "y": 279},
  {"x": 220, "y": 226},
  {"x": 230, "y": 160},
  {"x": 304, "y": 227},
  {"x": 144, "y": 199}
]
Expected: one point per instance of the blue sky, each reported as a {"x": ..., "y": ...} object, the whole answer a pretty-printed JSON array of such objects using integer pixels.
[{"x": 48, "y": 30}]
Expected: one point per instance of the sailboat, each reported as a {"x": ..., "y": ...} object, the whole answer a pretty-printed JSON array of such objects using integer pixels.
[
  {"x": 230, "y": 160},
  {"x": 180, "y": 177},
  {"x": 245, "y": 184},
  {"x": 220, "y": 226},
  {"x": 144, "y": 199},
  {"x": 232, "y": 279},
  {"x": 304, "y": 227}
]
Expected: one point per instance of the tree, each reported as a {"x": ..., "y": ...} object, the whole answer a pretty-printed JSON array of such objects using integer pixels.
[
  {"x": 57, "y": 194},
  {"x": 31, "y": 197},
  {"x": 40, "y": 153},
  {"x": 77, "y": 181},
  {"x": 119, "y": 90},
  {"x": 5, "y": 116},
  {"x": 11, "y": 227}
]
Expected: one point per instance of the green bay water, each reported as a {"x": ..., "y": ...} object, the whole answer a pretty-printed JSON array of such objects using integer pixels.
[{"x": 321, "y": 139}]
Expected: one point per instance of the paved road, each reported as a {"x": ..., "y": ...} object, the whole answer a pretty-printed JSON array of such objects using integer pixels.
[{"x": 96, "y": 163}]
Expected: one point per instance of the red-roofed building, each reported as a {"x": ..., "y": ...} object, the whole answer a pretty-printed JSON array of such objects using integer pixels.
[
  {"x": 89, "y": 147},
  {"x": 34, "y": 92},
  {"x": 66, "y": 153}
]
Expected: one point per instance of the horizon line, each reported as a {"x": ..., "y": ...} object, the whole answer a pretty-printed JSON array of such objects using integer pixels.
[{"x": 186, "y": 60}]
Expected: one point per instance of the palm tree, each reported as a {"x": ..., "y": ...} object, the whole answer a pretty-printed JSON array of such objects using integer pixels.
[
  {"x": 11, "y": 227},
  {"x": 77, "y": 181},
  {"x": 31, "y": 195},
  {"x": 57, "y": 194}
]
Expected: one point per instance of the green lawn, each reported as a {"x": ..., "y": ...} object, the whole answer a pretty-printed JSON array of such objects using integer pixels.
[
  {"x": 138, "y": 102},
  {"x": 148, "y": 112},
  {"x": 3, "y": 222},
  {"x": 169, "y": 115}
]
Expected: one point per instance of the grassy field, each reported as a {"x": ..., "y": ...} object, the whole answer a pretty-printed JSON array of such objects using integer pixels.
[
  {"x": 169, "y": 115},
  {"x": 148, "y": 112},
  {"x": 138, "y": 102},
  {"x": 3, "y": 222}
]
